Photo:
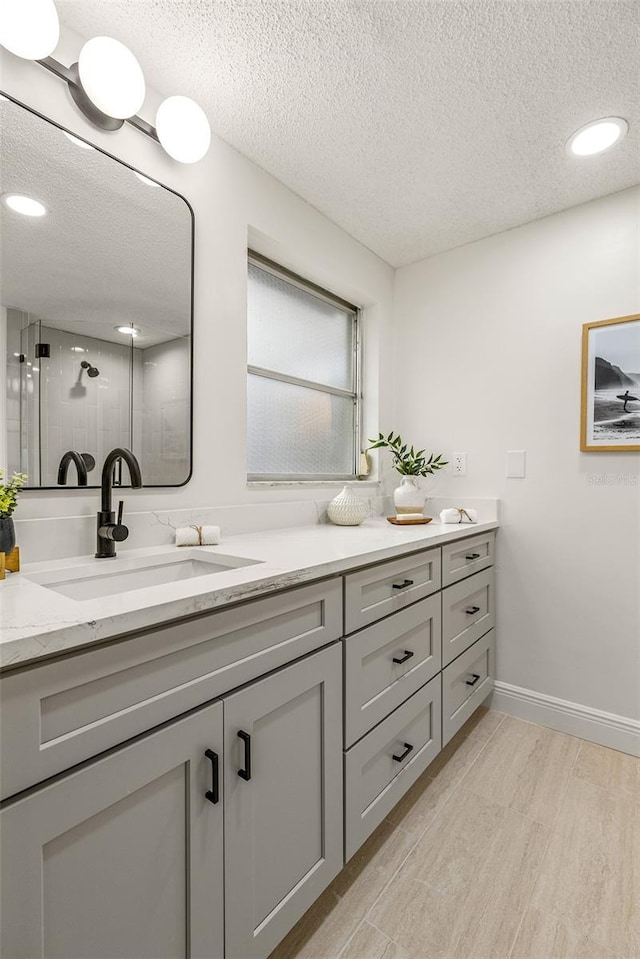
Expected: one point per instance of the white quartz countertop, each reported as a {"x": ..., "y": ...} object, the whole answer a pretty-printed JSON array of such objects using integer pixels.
[{"x": 36, "y": 622}]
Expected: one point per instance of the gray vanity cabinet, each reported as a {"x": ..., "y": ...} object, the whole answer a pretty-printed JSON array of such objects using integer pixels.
[
  {"x": 121, "y": 858},
  {"x": 283, "y": 800}
]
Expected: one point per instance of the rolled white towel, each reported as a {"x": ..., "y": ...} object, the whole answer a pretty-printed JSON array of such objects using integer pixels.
[
  {"x": 197, "y": 535},
  {"x": 459, "y": 515}
]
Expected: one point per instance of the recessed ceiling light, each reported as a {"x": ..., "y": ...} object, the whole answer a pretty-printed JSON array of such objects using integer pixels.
[
  {"x": 597, "y": 136},
  {"x": 130, "y": 330},
  {"x": 77, "y": 141},
  {"x": 77, "y": 349},
  {"x": 24, "y": 204},
  {"x": 145, "y": 179}
]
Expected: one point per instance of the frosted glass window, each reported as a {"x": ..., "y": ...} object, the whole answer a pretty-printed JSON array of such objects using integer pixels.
[
  {"x": 297, "y": 431},
  {"x": 292, "y": 331},
  {"x": 302, "y": 382}
]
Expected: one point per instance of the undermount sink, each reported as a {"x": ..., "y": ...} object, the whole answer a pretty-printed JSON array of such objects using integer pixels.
[{"x": 123, "y": 575}]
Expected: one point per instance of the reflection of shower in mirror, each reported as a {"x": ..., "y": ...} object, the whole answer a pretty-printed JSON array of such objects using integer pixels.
[{"x": 91, "y": 370}]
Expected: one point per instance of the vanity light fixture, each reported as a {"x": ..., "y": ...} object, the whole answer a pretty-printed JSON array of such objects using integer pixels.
[
  {"x": 111, "y": 78},
  {"x": 29, "y": 28},
  {"x": 107, "y": 83},
  {"x": 25, "y": 205},
  {"x": 130, "y": 330},
  {"x": 183, "y": 129},
  {"x": 597, "y": 136}
]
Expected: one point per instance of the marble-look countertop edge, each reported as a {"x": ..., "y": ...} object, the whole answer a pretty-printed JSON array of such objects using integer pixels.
[{"x": 79, "y": 626}]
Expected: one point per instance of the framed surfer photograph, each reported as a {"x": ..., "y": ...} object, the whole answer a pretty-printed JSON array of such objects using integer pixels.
[{"x": 611, "y": 385}]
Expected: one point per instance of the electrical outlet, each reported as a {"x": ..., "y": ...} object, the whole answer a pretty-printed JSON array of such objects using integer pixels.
[{"x": 459, "y": 464}]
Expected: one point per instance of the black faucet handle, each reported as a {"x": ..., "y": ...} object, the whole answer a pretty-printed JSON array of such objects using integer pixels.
[
  {"x": 120, "y": 509},
  {"x": 116, "y": 532}
]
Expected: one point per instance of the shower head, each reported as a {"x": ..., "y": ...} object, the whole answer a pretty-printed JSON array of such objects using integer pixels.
[{"x": 91, "y": 370}]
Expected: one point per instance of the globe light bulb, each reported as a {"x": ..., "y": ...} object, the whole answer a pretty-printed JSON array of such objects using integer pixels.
[
  {"x": 111, "y": 77},
  {"x": 183, "y": 129},
  {"x": 29, "y": 28}
]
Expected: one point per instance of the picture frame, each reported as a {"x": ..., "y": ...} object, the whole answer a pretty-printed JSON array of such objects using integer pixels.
[{"x": 610, "y": 407}]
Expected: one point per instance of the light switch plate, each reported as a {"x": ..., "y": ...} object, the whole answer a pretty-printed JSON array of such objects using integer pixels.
[{"x": 516, "y": 464}]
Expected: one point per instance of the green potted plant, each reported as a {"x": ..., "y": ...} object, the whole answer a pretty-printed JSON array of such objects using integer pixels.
[
  {"x": 411, "y": 464},
  {"x": 8, "y": 502}
]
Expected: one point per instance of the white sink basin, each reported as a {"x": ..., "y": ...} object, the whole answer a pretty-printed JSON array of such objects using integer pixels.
[{"x": 108, "y": 577}]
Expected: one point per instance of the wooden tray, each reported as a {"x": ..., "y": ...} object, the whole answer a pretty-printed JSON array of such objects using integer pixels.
[{"x": 409, "y": 522}]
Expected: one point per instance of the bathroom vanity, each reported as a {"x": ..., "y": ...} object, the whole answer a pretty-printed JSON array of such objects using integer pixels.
[{"x": 189, "y": 788}]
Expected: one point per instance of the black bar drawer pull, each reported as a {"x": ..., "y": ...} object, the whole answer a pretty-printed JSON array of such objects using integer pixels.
[
  {"x": 472, "y": 610},
  {"x": 473, "y": 681},
  {"x": 408, "y": 653},
  {"x": 403, "y": 585},
  {"x": 473, "y": 556},
  {"x": 246, "y": 739},
  {"x": 407, "y": 749},
  {"x": 213, "y": 794}
]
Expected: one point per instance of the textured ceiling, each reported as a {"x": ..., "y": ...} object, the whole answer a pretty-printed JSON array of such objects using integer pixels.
[
  {"x": 417, "y": 125},
  {"x": 111, "y": 250}
]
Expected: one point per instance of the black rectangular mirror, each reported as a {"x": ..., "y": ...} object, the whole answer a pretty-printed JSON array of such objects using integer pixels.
[{"x": 97, "y": 298}]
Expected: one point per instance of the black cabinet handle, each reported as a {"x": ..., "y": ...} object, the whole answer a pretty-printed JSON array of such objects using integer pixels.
[
  {"x": 473, "y": 556},
  {"x": 246, "y": 739},
  {"x": 213, "y": 794},
  {"x": 407, "y": 749},
  {"x": 403, "y": 585},
  {"x": 408, "y": 653},
  {"x": 472, "y": 610},
  {"x": 473, "y": 681}
]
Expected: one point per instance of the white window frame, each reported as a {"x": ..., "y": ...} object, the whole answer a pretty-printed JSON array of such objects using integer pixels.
[{"x": 355, "y": 394}]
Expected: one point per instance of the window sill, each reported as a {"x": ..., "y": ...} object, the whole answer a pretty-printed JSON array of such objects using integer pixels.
[{"x": 312, "y": 484}]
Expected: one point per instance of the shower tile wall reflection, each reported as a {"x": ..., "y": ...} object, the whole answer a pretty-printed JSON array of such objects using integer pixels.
[{"x": 139, "y": 399}]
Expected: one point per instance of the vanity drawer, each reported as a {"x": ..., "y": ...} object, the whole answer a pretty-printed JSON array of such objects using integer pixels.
[
  {"x": 377, "y": 591},
  {"x": 468, "y": 611},
  {"x": 374, "y": 780},
  {"x": 467, "y": 556},
  {"x": 60, "y": 713},
  {"x": 465, "y": 683},
  {"x": 375, "y": 682}
]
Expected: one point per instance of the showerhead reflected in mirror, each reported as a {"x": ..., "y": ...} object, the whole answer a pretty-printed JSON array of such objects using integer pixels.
[
  {"x": 97, "y": 302},
  {"x": 92, "y": 371}
]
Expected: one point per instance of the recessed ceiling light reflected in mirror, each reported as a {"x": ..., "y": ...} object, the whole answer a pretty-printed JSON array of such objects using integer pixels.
[
  {"x": 129, "y": 330},
  {"x": 597, "y": 136},
  {"x": 77, "y": 349},
  {"x": 77, "y": 141},
  {"x": 145, "y": 179},
  {"x": 25, "y": 205}
]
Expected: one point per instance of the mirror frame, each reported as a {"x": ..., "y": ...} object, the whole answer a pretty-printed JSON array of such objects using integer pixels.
[{"x": 75, "y": 489}]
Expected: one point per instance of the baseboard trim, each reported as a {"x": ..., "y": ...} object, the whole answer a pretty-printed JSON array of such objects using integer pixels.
[{"x": 594, "y": 725}]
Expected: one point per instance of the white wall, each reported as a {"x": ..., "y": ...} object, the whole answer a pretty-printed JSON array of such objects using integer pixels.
[
  {"x": 488, "y": 350},
  {"x": 234, "y": 203}
]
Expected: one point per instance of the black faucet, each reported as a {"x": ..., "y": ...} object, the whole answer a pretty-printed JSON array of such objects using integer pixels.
[
  {"x": 72, "y": 457},
  {"x": 110, "y": 530}
]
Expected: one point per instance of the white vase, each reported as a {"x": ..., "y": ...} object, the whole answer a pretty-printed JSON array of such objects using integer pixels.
[
  {"x": 408, "y": 497},
  {"x": 346, "y": 509}
]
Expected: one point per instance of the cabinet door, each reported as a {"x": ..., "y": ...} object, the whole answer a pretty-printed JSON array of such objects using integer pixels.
[
  {"x": 283, "y": 800},
  {"x": 122, "y": 858}
]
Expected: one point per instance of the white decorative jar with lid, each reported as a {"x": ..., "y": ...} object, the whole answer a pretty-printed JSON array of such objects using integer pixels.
[{"x": 347, "y": 509}]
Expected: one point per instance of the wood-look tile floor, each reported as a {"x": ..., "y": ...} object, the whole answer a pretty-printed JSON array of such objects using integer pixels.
[{"x": 518, "y": 842}]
